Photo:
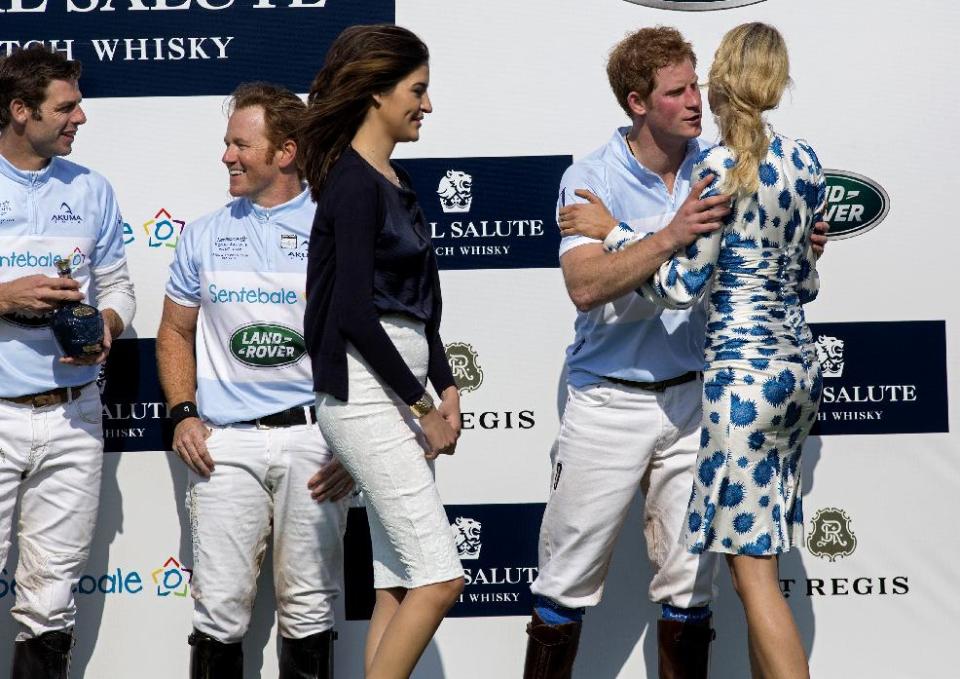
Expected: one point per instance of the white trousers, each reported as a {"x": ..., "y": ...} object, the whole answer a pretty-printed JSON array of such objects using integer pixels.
[
  {"x": 613, "y": 441},
  {"x": 260, "y": 481},
  {"x": 378, "y": 440},
  {"x": 52, "y": 458}
]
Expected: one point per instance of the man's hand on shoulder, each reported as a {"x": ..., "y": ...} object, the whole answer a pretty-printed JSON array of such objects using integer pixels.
[
  {"x": 590, "y": 219},
  {"x": 695, "y": 217},
  {"x": 38, "y": 293},
  {"x": 818, "y": 239}
]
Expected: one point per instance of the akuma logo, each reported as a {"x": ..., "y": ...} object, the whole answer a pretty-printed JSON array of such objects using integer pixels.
[
  {"x": 172, "y": 578},
  {"x": 66, "y": 216},
  {"x": 163, "y": 229},
  {"x": 466, "y": 533},
  {"x": 831, "y": 536},
  {"x": 830, "y": 355},
  {"x": 465, "y": 366},
  {"x": 455, "y": 191},
  {"x": 267, "y": 345},
  {"x": 855, "y": 204},
  {"x": 694, "y": 5}
]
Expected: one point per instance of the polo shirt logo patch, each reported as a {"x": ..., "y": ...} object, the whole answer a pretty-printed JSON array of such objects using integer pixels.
[
  {"x": 66, "y": 216},
  {"x": 267, "y": 345},
  {"x": 288, "y": 241}
]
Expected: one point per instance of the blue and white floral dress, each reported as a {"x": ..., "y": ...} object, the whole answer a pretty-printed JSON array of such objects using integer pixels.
[{"x": 762, "y": 382}]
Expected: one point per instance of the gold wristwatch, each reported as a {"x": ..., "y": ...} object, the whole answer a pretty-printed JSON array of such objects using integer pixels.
[{"x": 423, "y": 406}]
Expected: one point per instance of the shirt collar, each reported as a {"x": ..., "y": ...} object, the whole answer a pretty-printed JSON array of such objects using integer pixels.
[
  {"x": 625, "y": 155},
  {"x": 266, "y": 214},
  {"x": 26, "y": 177}
]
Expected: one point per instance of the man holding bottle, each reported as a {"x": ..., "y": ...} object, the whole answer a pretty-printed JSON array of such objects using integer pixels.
[{"x": 51, "y": 436}]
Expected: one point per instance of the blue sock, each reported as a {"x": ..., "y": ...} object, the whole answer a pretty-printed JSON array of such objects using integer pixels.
[
  {"x": 696, "y": 614},
  {"x": 553, "y": 613}
]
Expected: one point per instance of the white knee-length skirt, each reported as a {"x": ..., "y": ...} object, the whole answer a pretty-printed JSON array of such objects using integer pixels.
[{"x": 379, "y": 441}]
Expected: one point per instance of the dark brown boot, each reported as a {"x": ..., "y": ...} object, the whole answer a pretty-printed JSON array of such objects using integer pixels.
[
  {"x": 684, "y": 649},
  {"x": 551, "y": 649}
]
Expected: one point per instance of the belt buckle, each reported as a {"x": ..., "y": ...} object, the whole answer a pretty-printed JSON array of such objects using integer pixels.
[
  {"x": 44, "y": 400},
  {"x": 262, "y": 425}
]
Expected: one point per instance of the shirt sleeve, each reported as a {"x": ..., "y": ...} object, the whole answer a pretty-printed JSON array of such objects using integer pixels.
[
  {"x": 183, "y": 286},
  {"x": 808, "y": 278},
  {"x": 108, "y": 251},
  {"x": 683, "y": 279},
  {"x": 356, "y": 213},
  {"x": 579, "y": 176}
]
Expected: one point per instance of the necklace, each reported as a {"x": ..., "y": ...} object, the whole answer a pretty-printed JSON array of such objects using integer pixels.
[{"x": 391, "y": 176}]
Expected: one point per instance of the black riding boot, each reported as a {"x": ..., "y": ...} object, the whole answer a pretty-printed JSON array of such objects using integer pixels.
[
  {"x": 551, "y": 649},
  {"x": 308, "y": 658},
  {"x": 212, "y": 659},
  {"x": 44, "y": 657}
]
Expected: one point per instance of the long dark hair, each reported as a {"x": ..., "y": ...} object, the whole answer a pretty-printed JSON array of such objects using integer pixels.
[{"x": 361, "y": 62}]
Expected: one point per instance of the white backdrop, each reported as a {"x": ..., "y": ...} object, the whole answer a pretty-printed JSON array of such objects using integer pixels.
[{"x": 876, "y": 92}]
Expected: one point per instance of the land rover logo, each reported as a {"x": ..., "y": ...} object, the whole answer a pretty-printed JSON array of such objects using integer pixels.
[
  {"x": 267, "y": 345},
  {"x": 694, "y": 5},
  {"x": 831, "y": 536},
  {"x": 466, "y": 369},
  {"x": 855, "y": 204}
]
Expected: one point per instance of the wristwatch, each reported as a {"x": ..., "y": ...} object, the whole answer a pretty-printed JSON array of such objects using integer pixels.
[{"x": 423, "y": 405}]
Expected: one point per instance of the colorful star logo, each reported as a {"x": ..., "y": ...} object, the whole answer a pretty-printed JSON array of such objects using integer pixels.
[
  {"x": 163, "y": 229},
  {"x": 172, "y": 578}
]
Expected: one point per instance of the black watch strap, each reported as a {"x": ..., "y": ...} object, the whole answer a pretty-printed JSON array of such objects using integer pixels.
[{"x": 183, "y": 411}]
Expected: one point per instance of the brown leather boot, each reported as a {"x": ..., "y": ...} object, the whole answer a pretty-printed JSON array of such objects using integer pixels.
[
  {"x": 684, "y": 649},
  {"x": 551, "y": 649}
]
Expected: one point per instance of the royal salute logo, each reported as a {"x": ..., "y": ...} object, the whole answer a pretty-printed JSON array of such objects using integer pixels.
[
  {"x": 490, "y": 213},
  {"x": 456, "y": 191},
  {"x": 831, "y": 536},
  {"x": 466, "y": 533},
  {"x": 855, "y": 204},
  {"x": 497, "y": 578},
  {"x": 163, "y": 229},
  {"x": 267, "y": 345},
  {"x": 882, "y": 377},
  {"x": 465, "y": 365},
  {"x": 694, "y": 5},
  {"x": 830, "y": 355}
]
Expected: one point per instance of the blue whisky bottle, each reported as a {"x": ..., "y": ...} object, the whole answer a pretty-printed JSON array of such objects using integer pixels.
[{"x": 77, "y": 327}]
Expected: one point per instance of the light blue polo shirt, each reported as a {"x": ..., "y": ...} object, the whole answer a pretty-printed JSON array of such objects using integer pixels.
[
  {"x": 64, "y": 210},
  {"x": 245, "y": 267},
  {"x": 631, "y": 338}
]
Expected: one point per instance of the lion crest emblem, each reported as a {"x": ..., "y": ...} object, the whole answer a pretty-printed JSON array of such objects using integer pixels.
[
  {"x": 830, "y": 355},
  {"x": 455, "y": 191},
  {"x": 466, "y": 533}
]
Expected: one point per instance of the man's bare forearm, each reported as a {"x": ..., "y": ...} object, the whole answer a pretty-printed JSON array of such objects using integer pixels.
[
  {"x": 177, "y": 365},
  {"x": 594, "y": 276}
]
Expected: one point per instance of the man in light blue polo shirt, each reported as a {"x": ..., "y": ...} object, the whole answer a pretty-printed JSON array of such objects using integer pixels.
[
  {"x": 51, "y": 436},
  {"x": 236, "y": 374},
  {"x": 632, "y": 415}
]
